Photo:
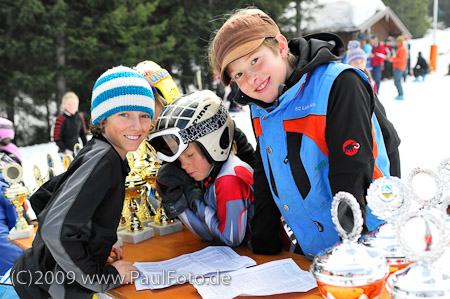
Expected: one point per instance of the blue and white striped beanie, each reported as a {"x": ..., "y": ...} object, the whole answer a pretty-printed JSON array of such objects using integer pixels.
[{"x": 120, "y": 89}]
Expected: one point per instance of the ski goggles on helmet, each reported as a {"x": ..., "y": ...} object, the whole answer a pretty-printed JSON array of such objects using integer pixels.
[{"x": 170, "y": 143}]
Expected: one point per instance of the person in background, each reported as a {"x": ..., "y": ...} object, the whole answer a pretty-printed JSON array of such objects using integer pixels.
[
  {"x": 378, "y": 56},
  {"x": 204, "y": 184},
  {"x": 234, "y": 107},
  {"x": 365, "y": 45},
  {"x": 314, "y": 123},
  {"x": 421, "y": 68},
  {"x": 6, "y": 140},
  {"x": 408, "y": 61},
  {"x": 389, "y": 45},
  {"x": 399, "y": 65},
  {"x": 357, "y": 58},
  {"x": 163, "y": 86},
  {"x": 78, "y": 219},
  {"x": 69, "y": 126}
]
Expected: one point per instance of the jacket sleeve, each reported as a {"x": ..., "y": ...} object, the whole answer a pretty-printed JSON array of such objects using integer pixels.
[
  {"x": 57, "y": 133},
  {"x": 267, "y": 219},
  {"x": 349, "y": 119},
  {"x": 66, "y": 229},
  {"x": 228, "y": 220}
]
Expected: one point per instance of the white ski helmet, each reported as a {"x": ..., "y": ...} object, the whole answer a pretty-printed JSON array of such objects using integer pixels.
[
  {"x": 159, "y": 78},
  {"x": 199, "y": 117}
]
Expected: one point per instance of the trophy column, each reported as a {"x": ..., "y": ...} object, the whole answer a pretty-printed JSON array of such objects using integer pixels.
[
  {"x": 135, "y": 232},
  {"x": 162, "y": 224}
]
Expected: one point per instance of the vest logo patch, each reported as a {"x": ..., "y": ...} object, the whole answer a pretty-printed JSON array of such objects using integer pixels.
[{"x": 350, "y": 147}]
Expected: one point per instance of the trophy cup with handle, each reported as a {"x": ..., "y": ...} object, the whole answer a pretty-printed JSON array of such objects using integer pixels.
[
  {"x": 16, "y": 194},
  {"x": 349, "y": 270}
]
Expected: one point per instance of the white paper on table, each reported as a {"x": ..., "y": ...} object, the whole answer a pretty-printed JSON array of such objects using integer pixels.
[
  {"x": 206, "y": 262},
  {"x": 276, "y": 277}
]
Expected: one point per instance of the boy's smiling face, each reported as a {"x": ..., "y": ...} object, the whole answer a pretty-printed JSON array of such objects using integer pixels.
[
  {"x": 126, "y": 130},
  {"x": 260, "y": 73}
]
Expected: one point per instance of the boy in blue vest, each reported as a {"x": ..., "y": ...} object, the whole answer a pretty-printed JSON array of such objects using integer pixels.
[{"x": 315, "y": 125}]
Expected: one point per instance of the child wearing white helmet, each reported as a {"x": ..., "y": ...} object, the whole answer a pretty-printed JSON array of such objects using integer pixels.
[
  {"x": 166, "y": 91},
  {"x": 204, "y": 184}
]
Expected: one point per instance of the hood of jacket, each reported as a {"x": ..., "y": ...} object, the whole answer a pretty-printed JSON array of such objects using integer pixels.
[{"x": 312, "y": 50}]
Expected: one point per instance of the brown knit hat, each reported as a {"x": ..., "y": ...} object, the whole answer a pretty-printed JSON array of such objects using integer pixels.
[{"x": 240, "y": 34}]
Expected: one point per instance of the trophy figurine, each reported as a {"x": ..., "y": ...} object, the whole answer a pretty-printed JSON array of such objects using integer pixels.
[
  {"x": 349, "y": 270},
  {"x": 134, "y": 188},
  {"x": 16, "y": 194}
]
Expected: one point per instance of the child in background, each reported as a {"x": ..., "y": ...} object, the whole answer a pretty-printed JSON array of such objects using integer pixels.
[
  {"x": 78, "y": 222},
  {"x": 314, "y": 121},
  {"x": 6, "y": 140},
  {"x": 208, "y": 188},
  {"x": 357, "y": 58},
  {"x": 69, "y": 126}
]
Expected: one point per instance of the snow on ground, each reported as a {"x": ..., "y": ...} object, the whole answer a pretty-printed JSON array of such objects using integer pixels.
[{"x": 422, "y": 119}]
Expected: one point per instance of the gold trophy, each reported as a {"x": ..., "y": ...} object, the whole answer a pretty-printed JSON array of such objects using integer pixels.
[
  {"x": 162, "y": 224},
  {"x": 16, "y": 194},
  {"x": 67, "y": 159},
  {"x": 38, "y": 176},
  {"x": 134, "y": 189},
  {"x": 76, "y": 149}
]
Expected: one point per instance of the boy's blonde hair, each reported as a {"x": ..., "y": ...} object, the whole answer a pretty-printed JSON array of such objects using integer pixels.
[
  {"x": 243, "y": 32},
  {"x": 69, "y": 95}
]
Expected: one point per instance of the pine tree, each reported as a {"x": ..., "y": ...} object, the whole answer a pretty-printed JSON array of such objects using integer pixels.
[{"x": 413, "y": 13}]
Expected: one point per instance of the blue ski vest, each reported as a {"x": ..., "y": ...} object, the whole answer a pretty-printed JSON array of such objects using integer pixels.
[{"x": 304, "y": 110}]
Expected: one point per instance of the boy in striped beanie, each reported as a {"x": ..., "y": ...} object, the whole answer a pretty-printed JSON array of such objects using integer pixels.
[{"x": 79, "y": 210}]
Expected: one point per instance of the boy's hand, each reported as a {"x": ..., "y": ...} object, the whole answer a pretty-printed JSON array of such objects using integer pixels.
[
  {"x": 169, "y": 183},
  {"x": 117, "y": 251},
  {"x": 125, "y": 269}
]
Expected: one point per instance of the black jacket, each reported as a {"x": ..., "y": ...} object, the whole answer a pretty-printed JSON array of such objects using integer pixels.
[
  {"x": 313, "y": 51},
  {"x": 78, "y": 214},
  {"x": 68, "y": 127}
]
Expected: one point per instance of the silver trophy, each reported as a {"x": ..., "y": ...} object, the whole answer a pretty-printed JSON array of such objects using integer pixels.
[
  {"x": 16, "y": 194},
  {"x": 423, "y": 237},
  {"x": 349, "y": 270},
  {"x": 388, "y": 198}
]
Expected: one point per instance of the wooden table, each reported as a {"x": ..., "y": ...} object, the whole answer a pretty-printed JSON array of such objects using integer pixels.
[
  {"x": 24, "y": 243},
  {"x": 162, "y": 248}
]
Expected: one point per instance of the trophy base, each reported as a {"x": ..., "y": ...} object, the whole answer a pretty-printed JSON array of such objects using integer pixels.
[
  {"x": 145, "y": 223},
  {"x": 136, "y": 237},
  {"x": 166, "y": 229},
  {"x": 21, "y": 234},
  {"x": 121, "y": 228},
  {"x": 119, "y": 242}
]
